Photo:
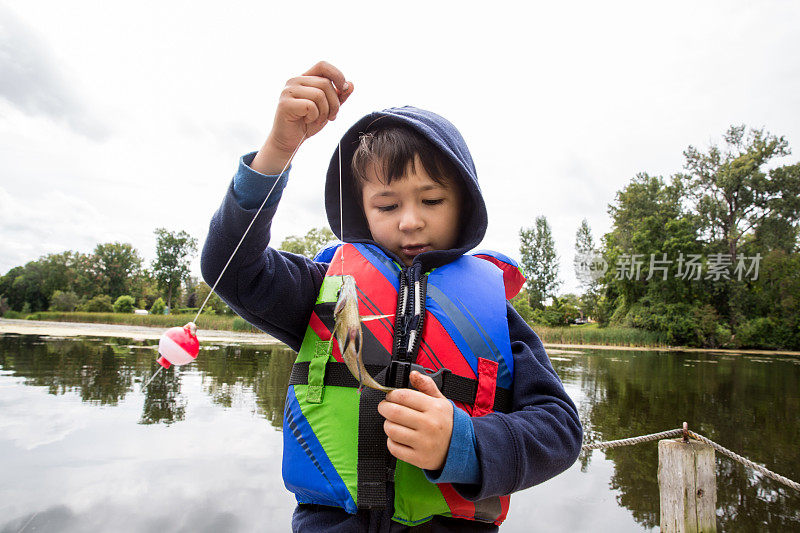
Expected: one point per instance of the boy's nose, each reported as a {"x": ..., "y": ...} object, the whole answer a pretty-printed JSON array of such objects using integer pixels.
[{"x": 410, "y": 220}]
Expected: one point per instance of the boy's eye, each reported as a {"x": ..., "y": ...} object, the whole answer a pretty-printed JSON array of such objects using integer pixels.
[
  {"x": 436, "y": 201},
  {"x": 385, "y": 208}
]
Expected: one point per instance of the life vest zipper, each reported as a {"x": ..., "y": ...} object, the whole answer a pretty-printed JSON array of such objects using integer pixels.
[{"x": 410, "y": 316}]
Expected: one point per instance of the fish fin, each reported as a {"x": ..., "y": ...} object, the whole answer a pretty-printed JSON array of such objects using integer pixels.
[{"x": 375, "y": 317}]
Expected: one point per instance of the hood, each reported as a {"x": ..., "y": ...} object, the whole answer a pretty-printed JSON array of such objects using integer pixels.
[{"x": 443, "y": 135}]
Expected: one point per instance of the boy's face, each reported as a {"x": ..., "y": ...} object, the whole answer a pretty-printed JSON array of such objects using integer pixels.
[{"x": 413, "y": 214}]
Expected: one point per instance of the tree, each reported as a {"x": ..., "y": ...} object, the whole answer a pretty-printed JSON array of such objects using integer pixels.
[
  {"x": 158, "y": 307},
  {"x": 730, "y": 189},
  {"x": 539, "y": 261},
  {"x": 310, "y": 244},
  {"x": 174, "y": 251},
  {"x": 64, "y": 301},
  {"x": 124, "y": 304},
  {"x": 586, "y": 269},
  {"x": 119, "y": 263},
  {"x": 214, "y": 303},
  {"x": 98, "y": 304}
]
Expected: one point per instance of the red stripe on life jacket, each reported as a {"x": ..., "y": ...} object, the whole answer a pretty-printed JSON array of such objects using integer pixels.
[
  {"x": 377, "y": 295},
  {"x": 459, "y": 507},
  {"x": 487, "y": 385},
  {"x": 505, "y": 502},
  {"x": 322, "y": 332},
  {"x": 513, "y": 279},
  {"x": 434, "y": 333}
]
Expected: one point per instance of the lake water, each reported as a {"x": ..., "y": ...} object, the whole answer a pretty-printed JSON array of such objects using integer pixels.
[{"x": 83, "y": 449}]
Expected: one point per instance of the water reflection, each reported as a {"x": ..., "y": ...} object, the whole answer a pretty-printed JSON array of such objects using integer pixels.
[
  {"x": 748, "y": 404},
  {"x": 103, "y": 371}
]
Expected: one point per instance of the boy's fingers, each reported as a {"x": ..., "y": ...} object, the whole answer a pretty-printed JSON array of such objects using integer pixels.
[
  {"x": 399, "y": 433},
  {"x": 419, "y": 401},
  {"x": 323, "y": 84},
  {"x": 400, "y": 414},
  {"x": 315, "y": 95},
  {"x": 302, "y": 109},
  {"x": 425, "y": 384},
  {"x": 401, "y": 451},
  {"x": 326, "y": 70},
  {"x": 347, "y": 90}
]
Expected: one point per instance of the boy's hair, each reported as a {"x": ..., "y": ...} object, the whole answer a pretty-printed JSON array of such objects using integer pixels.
[{"x": 393, "y": 149}]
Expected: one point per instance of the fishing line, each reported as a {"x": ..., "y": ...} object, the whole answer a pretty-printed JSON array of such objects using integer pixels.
[
  {"x": 289, "y": 162},
  {"x": 246, "y": 231}
]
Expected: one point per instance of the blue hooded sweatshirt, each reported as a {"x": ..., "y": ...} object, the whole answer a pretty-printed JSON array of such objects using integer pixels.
[{"x": 276, "y": 292}]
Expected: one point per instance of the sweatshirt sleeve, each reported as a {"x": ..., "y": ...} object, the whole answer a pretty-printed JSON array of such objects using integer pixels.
[
  {"x": 542, "y": 435},
  {"x": 461, "y": 464},
  {"x": 273, "y": 290}
]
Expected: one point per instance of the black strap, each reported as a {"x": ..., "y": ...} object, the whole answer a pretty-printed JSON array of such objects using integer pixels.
[
  {"x": 454, "y": 387},
  {"x": 373, "y": 455}
]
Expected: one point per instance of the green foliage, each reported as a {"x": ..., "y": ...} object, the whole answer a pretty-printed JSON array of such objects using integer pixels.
[
  {"x": 158, "y": 307},
  {"x": 124, "y": 304},
  {"x": 561, "y": 312},
  {"x": 214, "y": 305},
  {"x": 732, "y": 192},
  {"x": 98, "y": 304},
  {"x": 240, "y": 324},
  {"x": 593, "y": 334},
  {"x": 584, "y": 263},
  {"x": 64, "y": 301},
  {"x": 310, "y": 244},
  {"x": 522, "y": 306},
  {"x": 539, "y": 261},
  {"x": 119, "y": 263},
  {"x": 174, "y": 251}
]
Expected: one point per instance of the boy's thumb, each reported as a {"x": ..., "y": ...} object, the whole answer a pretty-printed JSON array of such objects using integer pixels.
[{"x": 425, "y": 384}]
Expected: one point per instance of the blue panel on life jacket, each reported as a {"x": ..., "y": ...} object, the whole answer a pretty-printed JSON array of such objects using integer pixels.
[
  {"x": 502, "y": 257},
  {"x": 307, "y": 471},
  {"x": 326, "y": 254},
  {"x": 484, "y": 331}
]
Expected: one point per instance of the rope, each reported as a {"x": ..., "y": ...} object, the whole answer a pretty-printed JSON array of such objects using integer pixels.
[
  {"x": 747, "y": 462},
  {"x": 677, "y": 433},
  {"x": 632, "y": 440}
]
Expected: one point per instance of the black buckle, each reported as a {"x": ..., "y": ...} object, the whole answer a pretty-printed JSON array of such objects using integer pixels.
[{"x": 400, "y": 371}]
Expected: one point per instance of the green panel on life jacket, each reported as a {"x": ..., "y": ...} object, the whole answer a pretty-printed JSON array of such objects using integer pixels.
[
  {"x": 427, "y": 498},
  {"x": 334, "y": 420}
]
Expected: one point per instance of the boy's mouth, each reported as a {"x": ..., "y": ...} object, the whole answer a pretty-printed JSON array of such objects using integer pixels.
[{"x": 414, "y": 250}]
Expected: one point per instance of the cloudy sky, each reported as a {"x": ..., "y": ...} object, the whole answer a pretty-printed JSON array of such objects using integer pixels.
[{"x": 117, "y": 118}]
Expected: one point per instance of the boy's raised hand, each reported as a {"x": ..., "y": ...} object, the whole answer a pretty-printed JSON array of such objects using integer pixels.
[
  {"x": 306, "y": 104},
  {"x": 418, "y": 423}
]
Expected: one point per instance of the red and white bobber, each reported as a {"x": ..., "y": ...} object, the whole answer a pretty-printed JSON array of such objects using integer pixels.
[{"x": 178, "y": 346}]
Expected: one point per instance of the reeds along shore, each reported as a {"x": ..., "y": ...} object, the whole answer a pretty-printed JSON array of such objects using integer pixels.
[
  {"x": 206, "y": 321},
  {"x": 549, "y": 335}
]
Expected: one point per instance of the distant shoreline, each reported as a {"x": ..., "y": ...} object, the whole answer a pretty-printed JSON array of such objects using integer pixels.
[{"x": 78, "y": 329}]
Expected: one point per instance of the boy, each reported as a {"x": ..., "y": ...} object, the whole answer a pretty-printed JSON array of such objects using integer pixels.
[{"x": 481, "y": 412}]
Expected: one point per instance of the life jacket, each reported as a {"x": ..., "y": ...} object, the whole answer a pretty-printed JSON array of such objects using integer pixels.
[{"x": 334, "y": 444}]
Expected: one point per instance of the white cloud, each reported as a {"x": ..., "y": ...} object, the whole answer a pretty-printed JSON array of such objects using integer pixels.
[{"x": 561, "y": 104}]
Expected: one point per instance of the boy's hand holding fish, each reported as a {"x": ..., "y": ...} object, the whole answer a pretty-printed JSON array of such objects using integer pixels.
[
  {"x": 418, "y": 423},
  {"x": 305, "y": 106}
]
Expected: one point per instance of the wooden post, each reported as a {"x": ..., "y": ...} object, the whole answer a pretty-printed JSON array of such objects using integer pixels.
[{"x": 687, "y": 485}]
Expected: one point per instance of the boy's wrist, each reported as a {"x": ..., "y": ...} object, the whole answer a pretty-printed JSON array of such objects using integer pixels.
[
  {"x": 461, "y": 462},
  {"x": 251, "y": 187},
  {"x": 271, "y": 159}
]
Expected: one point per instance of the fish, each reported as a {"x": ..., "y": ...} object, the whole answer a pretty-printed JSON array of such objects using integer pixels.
[{"x": 348, "y": 334}]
